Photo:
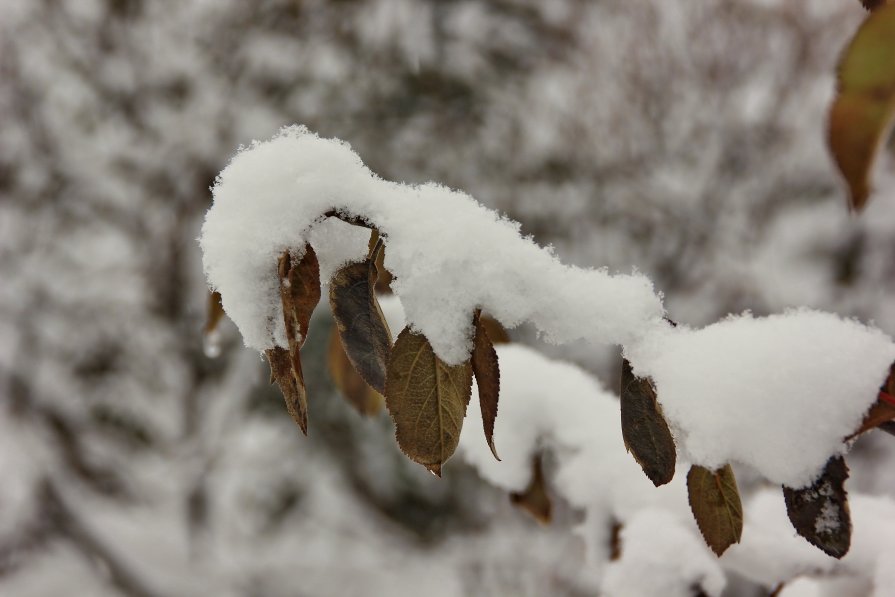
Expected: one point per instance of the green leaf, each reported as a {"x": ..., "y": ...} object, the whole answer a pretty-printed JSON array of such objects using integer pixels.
[
  {"x": 715, "y": 502},
  {"x": 427, "y": 399},
  {"x": 487, "y": 376},
  {"x": 644, "y": 429},
  {"x": 819, "y": 513},
  {"x": 362, "y": 327},
  {"x": 863, "y": 110}
]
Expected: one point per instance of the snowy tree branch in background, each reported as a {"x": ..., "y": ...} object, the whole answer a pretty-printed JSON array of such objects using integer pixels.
[{"x": 778, "y": 393}]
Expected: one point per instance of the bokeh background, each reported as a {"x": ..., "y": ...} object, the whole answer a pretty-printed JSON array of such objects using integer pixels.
[{"x": 678, "y": 137}]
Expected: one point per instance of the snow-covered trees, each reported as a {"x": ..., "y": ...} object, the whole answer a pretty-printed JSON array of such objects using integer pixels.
[{"x": 132, "y": 463}]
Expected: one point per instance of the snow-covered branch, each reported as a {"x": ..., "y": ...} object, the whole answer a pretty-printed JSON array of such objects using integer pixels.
[{"x": 777, "y": 393}]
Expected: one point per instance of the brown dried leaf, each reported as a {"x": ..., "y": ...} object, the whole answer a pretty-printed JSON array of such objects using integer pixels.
[
  {"x": 879, "y": 414},
  {"x": 496, "y": 332},
  {"x": 300, "y": 292},
  {"x": 487, "y": 376},
  {"x": 882, "y": 412},
  {"x": 215, "y": 312},
  {"x": 874, "y": 4},
  {"x": 362, "y": 327},
  {"x": 715, "y": 502},
  {"x": 291, "y": 384},
  {"x": 534, "y": 499},
  {"x": 427, "y": 400},
  {"x": 820, "y": 512},
  {"x": 384, "y": 281},
  {"x": 644, "y": 429},
  {"x": 356, "y": 391},
  {"x": 863, "y": 110}
]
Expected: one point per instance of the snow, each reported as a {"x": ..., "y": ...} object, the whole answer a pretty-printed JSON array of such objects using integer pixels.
[
  {"x": 778, "y": 393},
  {"x": 661, "y": 558},
  {"x": 448, "y": 254}
]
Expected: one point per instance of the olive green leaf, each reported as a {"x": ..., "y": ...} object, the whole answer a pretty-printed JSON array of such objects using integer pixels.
[
  {"x": 715, "y": 502},
  {"x": 862, "y": 113},
  {"x": 427, "y": 399},
  {"x": 644, "y": 429}
]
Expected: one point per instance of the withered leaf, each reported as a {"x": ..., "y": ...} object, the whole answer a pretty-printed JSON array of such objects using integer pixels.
[
  {"x": 427, "y": 400},
  {"x": 863, "y": 110},
  {"x": 299, "y": 294},
  {"x": 874, "y": 4},
  {"x": 376, "y": 250},
  {"x": 487, "y": 376},
  {"x": 877, "y": 416},
  {"x": 362, "y": 327},
  {"x": 356, "y": 391},
  {"x": 215, "y": 312},
  {"x": 292, "y": 384},
  {"x": 210, "y": 335},
  {"x": 496, "y": 332},
  {"x": 819, "y": 513},
  {"x": 534, "y": 499},
  {"x": 715, "y": 502},
  {"x": 299, "y": 291},
  {"x": 644, "y": 429}
]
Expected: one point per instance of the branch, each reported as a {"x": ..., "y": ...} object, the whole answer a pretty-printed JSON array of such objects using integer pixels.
[{"x": 778, "y": 393}]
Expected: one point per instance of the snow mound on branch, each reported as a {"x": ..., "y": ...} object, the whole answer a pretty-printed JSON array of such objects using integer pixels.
[
  {"x": 448, "y": 253},
  {"x": 778, "y": 393}
]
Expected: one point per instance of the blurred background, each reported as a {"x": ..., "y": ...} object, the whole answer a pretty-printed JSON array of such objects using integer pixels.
[{"x": 681, "y": 138}]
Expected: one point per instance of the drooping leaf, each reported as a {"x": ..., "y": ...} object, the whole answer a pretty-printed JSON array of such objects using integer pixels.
[
  {"x": 299, "y": 291},
  {"x": 879, "y": 414},
  {"x": 882, "y": 412},
  {"x": 384, "y": 280},
  {"x": 427, "y": 399},
  {"x": 215, "y": 311},
  {"x": 292, "y": 384},
  {"x": 362, "y": 327},
  {"x": 487, "y": 377},
  {"x": 534, "y": 499},
  {"x": 210, "y": 334},
  {"x": 356, "y": 391},
  {"x": 644, "y": 429},
  {"x": 715, "y": 502},
  {"x": 863, "y": 110},
  {"x": 874, "y": 4},
  {"x": 496, "y": 332},
  {"x": 299, "y": 294},
  {"x": 820, "y": 512}
]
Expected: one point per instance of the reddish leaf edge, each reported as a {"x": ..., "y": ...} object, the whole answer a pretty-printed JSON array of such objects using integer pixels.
[{"x": 887, "y": 398}]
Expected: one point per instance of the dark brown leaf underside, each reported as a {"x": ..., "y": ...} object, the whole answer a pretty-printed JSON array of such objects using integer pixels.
[
  {"x": 820, "y": 513},
  {"x": 362, "y": 327},
  {"x": 645, "y": 432}
]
